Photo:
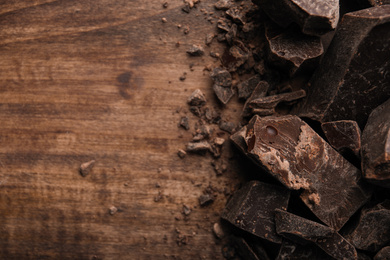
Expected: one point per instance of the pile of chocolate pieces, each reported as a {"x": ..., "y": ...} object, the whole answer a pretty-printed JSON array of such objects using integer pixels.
[{"x": 329, "y": 156}]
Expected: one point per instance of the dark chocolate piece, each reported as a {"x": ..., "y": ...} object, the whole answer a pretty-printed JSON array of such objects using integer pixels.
[
  {"x": 234, "y": 57},
  {"x": 227, "y": 126},
  {"x": 221, "y": 77},
  {"x": 197, "y": 98},
  {"x": 206, "y": 199},
  {"x": 252, "y": 209},
  {"x": 184, "y": 123},
  {"x": 247, "y": 252},
  {"x": 209, "y": 38},
  {"x": 224, "y": 94},
  {"x": 223, "y": 4},
  {"x": 195, "y": 50},
  {"x": 292, "y": 251},
  {"x": 343, "y": 134},
  {"x": 301, "y": 230},
  {"x": 353, "y": 77},
  {"x": 373, "y": 229},
  {"x": 237, "y": 15},
  {"x": 299, "y": 158},
  {"x": 315, "y": 17},
  {"x": 198, "y": 147},
  {"x": 383, "y": 254},
  {"x": 376, "y": 146},
  {"x": 259, "y": 92},
  {"x": 264, "y": 106},
  {"x": 238, "y": 138},
  {"x": 181, "y": 153},
  {"x": 246, "y": 87},
  {"x": 292, "y": 50}
]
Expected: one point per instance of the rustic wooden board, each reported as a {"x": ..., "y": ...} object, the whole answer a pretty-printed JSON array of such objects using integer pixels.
[{"x": 83, "y": 80}]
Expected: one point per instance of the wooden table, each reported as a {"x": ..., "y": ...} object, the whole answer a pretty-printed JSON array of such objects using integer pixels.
[{"x": 99, "y": 80}]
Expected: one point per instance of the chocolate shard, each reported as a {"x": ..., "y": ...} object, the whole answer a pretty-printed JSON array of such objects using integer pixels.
[
  {"x": 234, "y": 57},
  {"x": 246, "y": 87},
  {"x": 198, "y": 147},
  {"x": 315, "y": 17},
  {"x": 197, "y": 98},
  {"x": 224, "y": 94},
  {"x": 354, "y": 71},
  {"x": 292, "y": 251},
  {"x": 265, "y": 106},
  {"x": 195, "y": 50},
  {"x": 376, "y": 146},
  {"x": 259, "y": 92},
  {"x": 301, "y": 230},
  {"x": 373, "y": 229},
  {"x": 383, "y": 254},
  {"x": 291, "y": 50},
  {"x": 221, "y": 77},
  {"x": 342, "y": 135},
  {"x": 299, "y": 158},
  {"x": 250, "y": 252},
  {"x": 252, "y": 209},
  {"x": 238, "y": 139}
]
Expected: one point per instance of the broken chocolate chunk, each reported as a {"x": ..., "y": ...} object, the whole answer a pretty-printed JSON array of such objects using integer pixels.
[
  {"x": 184, "y": 123},
  {"x": 209, "y": 38},
  {"x": 373, "y": 229},
  {"x": 221, "y": 77},
  {"x": 315, "y": 17},
  {"x": 223, "y": 4},
  {"x": 237, "y": 15},
  {"x": 234, "y": 57},
  {"x": 376, "y": 146},
  {"x": 299, "y": 158},
  {"x": 292, "y": 50},
  {"x": 264, "y": 106},
  {"x": 224, "y": 94},
  {"x": 383, "y": 254},
  {"x": 238, "y": 138},
  {"x": 206, "y": 199},
  {"x": 252, "y": 209},
  {"x": 246, "y": 87},
  {"x": 301, "y": 230},
  {"x": 343, "y": 134},
  {"x": 250, "y": 251},
  {"x": 197, "y": 98},
  {"x": 291, "y": 251},
  {"x": 355, "y": 71},
  {"x": 181, "y": 153},
  {"x": 227, "y": 126},
  {"x": 195, "y": 50},
  {"x": 198, "y": 147},
  {"x": 259, "y": 92},
  {"x": 85, "y": 168}
]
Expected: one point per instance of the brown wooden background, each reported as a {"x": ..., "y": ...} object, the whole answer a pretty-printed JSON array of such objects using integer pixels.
[{"x": 83, "y": 80}]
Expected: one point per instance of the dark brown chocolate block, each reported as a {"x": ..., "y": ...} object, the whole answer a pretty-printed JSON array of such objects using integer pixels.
[
  {"x": 292, "y": 251},
  {"x": 373, "y": 229},
  {"x": 315, "y": 17},
  {"x": 383, "y": 254},
  {"x": 250, "y": 252},
  {"x": 299, "y": 158},
  {"x": 302, "y": 230},
  {"x": 353, "y": 77},
  {"x": 291, "y": 50},
  {"x": 252, "y": 209},
  {"x": 343, "y": 134},
  {"x": 376, "y": 146}
]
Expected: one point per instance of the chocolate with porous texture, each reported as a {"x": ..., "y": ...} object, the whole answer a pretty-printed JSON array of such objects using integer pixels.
[
  {"x": 252, "y": 209},
  {"x": 342, "y": 135},
  {"x": 353, "y": 77},
  {"x": 376, "y": 146},
  {"x": 299, "y": 158}
]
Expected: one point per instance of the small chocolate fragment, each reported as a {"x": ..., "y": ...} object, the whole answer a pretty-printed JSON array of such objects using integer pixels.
[
  {"x": 184, "y": 123},
  {"x": 383, "y": 254},
  {"x": 181, "y": 153},
  {"x": 112, "y": 210},
  {"x": 221, "y": 77},
  {"x": 237, "y": 15},
  {"x": 292, "y": 50},
  {"x": 373, "y": 229},
  {"x": 299, "y": 158},
  {"x": 218, "y": 231},
  {"x": 343, "y": 134},
  {"x": 206, "y": 199},
  {"x": 265, "y": 106},
  {"x": 209, "y": 38},
  {"x": 301, "y": 230},
  {"x": 86, "y": 168},
  {"x": 238, "y": 138},
  {"x": 291, "y": 251},
  {"x": 252, "y": 209},
  {"x": 224, "y": 94},
  {"x": 259, "y": 92},
  {"x": 355, "y": 71},
  {"x": 234, "y": 57},
  {"x": 376, "y": 146},
  {"x": 198, "y": 147},
  {"x": 227, "y": 126},
  {"x": 197, "y": 98},
  {"x": 223, "y": 4},
  {"x": 195, "y": 50},
  {"x": 246, "y": 87},
  {"x": 315, "y": 17}
]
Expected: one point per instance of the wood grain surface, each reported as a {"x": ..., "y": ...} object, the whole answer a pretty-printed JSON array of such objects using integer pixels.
[{"x": 99, "y": 80}]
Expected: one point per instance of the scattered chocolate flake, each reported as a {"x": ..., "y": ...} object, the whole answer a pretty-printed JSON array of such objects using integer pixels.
[
  {"x": 223, "y": 4},
  {"x": 224, "y": 94},
  {"x": 158, "y": 197},
  {"x": 165, "y": 4},
  {"x": 164, "y": 20},
  {"x": 206, "y": 199},
  {"x": 197, "y": 98},
  {"x": 246, "y": 87},
  {"x": 198, "y": 147},
  {"x": 227, "y": 126},
  {"x": 218, "y": 231},
  {"x": 221, "y": 77},
  {"x": 186, "y": 210},
  {"x": 234, "y": 57},
  {"x": 181, "y": 153},
  {"x": 186, "y": 8},
  {"x": 237, "y": 15},
  {"x": 112, "y": 210},
  {"x": 85, "y": 168},
  {"x": 259, "y": 92},
  {"x": 209, "y": 38},
  {"x": 184, "y": 123},
  {"x": 183, "y": 77},
  {"x": 195, "y": 50}
]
